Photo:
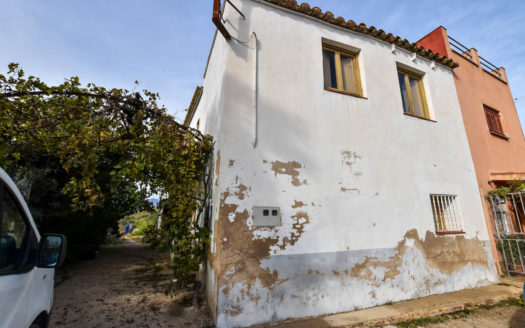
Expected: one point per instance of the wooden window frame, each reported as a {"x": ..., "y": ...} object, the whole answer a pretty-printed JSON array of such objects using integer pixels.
[
  {"x": 494, "y": 121},
  {"x": 338, "y": 70},
  {"x": 419, "y": 78}
]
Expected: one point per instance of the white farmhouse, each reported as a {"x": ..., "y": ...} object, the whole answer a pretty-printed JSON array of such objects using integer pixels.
[{"x": 343, "y": 177}]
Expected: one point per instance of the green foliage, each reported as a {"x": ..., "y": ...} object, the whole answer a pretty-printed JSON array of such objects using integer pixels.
[
  {"x": 512, "y": 186},
  {"x": 512, "y": 246},
  {"x": 501, "y": 191},
  {"x": 85, "y": 157},
  {"x": 144, "y": 221}
]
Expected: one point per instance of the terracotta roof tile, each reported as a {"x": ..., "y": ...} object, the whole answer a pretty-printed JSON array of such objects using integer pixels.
[{"x": 372, "y": 31}]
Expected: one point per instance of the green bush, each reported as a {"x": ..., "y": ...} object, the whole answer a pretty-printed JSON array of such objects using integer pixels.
[{"x": 143, "y": 222}]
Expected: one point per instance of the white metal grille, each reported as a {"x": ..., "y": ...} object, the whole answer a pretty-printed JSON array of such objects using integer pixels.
[{"x": 447, "y": 214}]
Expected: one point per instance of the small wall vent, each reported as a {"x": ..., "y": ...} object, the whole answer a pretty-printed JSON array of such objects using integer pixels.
[{"x": 266, "y": 216}]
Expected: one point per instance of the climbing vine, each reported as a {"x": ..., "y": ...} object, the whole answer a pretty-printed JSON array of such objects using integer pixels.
[{"x": 86, "y": 156}]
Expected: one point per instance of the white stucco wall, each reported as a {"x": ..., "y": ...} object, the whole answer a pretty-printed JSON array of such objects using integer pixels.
[{"x": 362, "y": 169}]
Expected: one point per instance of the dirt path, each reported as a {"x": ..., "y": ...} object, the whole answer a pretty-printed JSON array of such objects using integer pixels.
[
  {"x": 123, "y": 287},
  {"x": 500, "y": 317}
]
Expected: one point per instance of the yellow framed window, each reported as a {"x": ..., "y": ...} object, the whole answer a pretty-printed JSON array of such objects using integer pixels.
[
  {"x": 341, "y": 71},
  {"x": 413, "y": 94}
]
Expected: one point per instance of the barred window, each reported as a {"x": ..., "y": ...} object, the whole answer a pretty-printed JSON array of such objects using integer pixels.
[{"x": 447, "y": 214}]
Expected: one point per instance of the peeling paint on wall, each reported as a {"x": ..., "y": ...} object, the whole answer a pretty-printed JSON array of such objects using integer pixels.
[
  {"x": 238, "y": 251},
  {"x": 289, "y": 168},
  {"x": 241, "y": 191},
  {"x": 300, "y": 220},
  {"x": 298, "y": 204},
  {"x": 355, "y": 190},
  {"x": 349, "y": 158},
  {"x": 238, "y": 258},
  {"x": 445, "y": 253},
  {"x": 217, "y": 168}
]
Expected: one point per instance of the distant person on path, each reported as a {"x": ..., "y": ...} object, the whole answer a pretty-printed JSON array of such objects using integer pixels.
[{"x": 126, "y": 230}]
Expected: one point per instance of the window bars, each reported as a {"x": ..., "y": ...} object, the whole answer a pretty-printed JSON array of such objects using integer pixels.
[
  {"x": 509, "y": 220},
  {"x": 447, "y": 214}
]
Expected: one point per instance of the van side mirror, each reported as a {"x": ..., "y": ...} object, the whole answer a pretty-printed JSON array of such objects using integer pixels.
[{"x": 52, "y": 251}]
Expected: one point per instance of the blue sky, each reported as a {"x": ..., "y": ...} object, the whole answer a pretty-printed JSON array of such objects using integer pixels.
[{"x": 164, "y": 44}]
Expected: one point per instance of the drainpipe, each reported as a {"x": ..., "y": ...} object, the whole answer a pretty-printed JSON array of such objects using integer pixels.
[
  {"x": 256, "y": 87},
  {"x": 216, "y": 19}
]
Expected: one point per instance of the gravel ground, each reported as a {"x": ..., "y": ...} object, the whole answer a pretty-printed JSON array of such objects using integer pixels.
[{"x": 123, "y": 287}]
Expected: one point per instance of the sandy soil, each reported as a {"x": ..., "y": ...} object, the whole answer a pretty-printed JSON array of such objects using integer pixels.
[
  {"x": 124, "y": 287},
  {"x": 500, "y": 317},
  {"x": 506, "y": 316}
]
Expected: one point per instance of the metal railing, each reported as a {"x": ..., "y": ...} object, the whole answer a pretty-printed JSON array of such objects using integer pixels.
[
  {"x": 467, "y": 53},
  {"x": 461, "y": 49},
  {"x": 509, "y": 219},
  {"x": 489, "y": 67}
]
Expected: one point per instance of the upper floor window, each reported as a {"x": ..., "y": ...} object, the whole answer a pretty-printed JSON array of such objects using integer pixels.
[
  {"x": 413, "y": 94},
  {"x": 341, "y": 71},
  {"x": 493, "y": 121}
]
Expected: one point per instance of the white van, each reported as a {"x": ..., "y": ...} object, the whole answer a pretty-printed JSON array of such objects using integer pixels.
[{"x": 27, "y": 262}]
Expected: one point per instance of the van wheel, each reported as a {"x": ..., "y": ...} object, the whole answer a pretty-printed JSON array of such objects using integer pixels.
[{"x": 41, "y": 321}]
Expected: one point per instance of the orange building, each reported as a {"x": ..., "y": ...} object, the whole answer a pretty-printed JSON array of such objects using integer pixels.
[{"x": 491, "y": 121}]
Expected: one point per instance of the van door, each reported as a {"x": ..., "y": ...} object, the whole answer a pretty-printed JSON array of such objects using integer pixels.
[{"x": 17, "y": 260}]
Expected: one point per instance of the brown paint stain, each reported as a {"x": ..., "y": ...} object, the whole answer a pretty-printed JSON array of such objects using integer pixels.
[
  {"x": 310, "y": 271},
  {"x": 298, "y": 204},
  {"x": 336, "y": 273},
  {"x": 264, "y": 161},
  {"x": 445, "y": 253},
  {"x": 231, "y": 162},
  {"x": 289, "y": 168},
  {"x": 343, "y": 189}
]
